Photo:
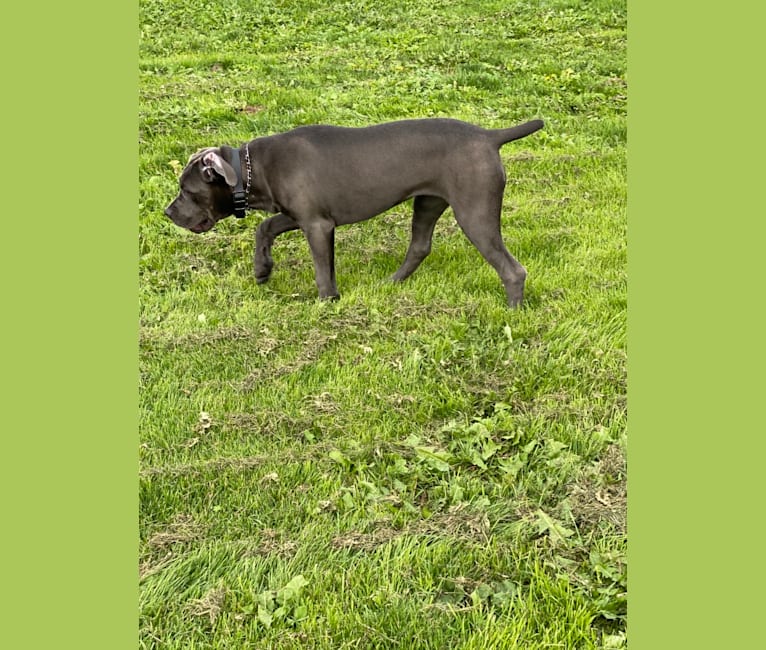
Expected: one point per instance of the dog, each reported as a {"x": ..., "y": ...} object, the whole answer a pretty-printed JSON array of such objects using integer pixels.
[{"x": 318, "y": 177}]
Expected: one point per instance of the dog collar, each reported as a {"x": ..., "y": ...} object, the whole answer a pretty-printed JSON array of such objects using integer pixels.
[{"x": 239, "y": 194}]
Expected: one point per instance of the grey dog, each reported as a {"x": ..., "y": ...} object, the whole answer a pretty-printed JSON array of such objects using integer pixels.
[{"x": 318, "y": 177}]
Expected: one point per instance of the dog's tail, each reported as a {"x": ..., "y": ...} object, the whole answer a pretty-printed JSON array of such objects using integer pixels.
[{"x": 501, "y": 136}]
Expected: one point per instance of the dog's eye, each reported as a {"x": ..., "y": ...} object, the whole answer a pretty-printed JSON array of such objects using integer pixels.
[{"x": 198, "y": 199}]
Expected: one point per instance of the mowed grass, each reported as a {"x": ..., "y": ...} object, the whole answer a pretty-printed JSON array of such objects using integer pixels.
[{"x": 416, "y": 465}]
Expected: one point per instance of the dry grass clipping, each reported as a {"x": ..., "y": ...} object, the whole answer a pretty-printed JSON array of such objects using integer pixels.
[{"x": 601, "y": 495}]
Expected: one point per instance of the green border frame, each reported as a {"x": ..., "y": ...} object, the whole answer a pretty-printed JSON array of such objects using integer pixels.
[
  {"x": 70, "y": 326},
  {"x": 695, "y": 240}
]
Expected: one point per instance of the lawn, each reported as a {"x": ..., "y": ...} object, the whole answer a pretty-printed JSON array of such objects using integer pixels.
[{"x": 415, "y": 465}]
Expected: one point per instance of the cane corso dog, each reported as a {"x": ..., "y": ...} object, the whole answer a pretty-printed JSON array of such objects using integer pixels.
[{"x": 318, "y": 177}]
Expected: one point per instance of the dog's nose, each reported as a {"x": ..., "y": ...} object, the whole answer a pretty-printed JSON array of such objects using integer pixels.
[{"x": 167, "y": 212}]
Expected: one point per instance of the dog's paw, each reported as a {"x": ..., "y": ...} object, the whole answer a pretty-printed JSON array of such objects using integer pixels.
[{"x": 262, "y": 271}]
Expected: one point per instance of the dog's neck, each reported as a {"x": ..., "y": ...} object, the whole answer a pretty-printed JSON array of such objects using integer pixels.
[{"x": 240, "y": 193}]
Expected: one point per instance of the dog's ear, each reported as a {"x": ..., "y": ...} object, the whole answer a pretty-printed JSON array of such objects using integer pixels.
[
  {"x": 198, "y": 154},
  {"x": 212, "y": 164}
]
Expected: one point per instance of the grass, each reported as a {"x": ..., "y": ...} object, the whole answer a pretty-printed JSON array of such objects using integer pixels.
[{"x": 416, "y": 465}]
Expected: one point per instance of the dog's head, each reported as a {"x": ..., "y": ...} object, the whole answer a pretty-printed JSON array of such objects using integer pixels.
[{"x": 205, "y": 196}]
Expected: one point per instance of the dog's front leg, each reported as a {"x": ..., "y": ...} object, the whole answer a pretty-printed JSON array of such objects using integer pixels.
[
  {"x": 264, "y": 238},
  {"x": 320, "y": 234}
]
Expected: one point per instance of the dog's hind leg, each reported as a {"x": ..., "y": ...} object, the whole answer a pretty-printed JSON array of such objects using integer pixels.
[
  {"x": 426, "y": 212},
  {"x": 481, "y": 224},
  {"x": 264, "y": 238}
]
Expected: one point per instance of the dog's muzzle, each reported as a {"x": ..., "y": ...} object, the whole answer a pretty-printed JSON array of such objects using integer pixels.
[{"x": 201, "y": 226}]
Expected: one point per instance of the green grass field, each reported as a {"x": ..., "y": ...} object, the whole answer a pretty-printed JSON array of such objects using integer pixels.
[{"x": 416, "y": 465}]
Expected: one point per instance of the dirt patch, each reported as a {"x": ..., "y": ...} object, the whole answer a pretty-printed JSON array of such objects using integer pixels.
[{"x": 601, "y": 495}]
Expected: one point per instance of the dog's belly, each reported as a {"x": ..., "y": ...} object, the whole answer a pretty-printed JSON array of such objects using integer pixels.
[
  {"x": 360, "y": 205},
  {"x": 361, "y": 194}
]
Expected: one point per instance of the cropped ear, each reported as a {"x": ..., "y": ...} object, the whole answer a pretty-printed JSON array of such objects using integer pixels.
[
  {"x": 197, "y": 155},
  {"x": 212, "y": 163}
]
